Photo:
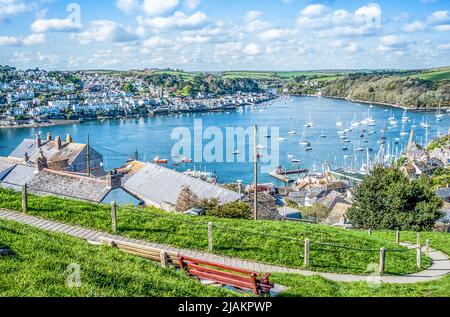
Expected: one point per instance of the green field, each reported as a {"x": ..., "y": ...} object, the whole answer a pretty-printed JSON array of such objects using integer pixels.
[
  {"x": 279, "y": 75},
  {"x": 433, "y": 75},
  {"x": 40, "y": 267},
  {"x": 266, "y": 241}
]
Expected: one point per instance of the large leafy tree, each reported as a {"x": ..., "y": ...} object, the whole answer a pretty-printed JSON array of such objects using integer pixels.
[{"x": 387, "y": 199}]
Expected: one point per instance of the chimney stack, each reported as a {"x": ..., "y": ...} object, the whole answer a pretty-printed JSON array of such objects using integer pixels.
[
  {"x": 38, "y": 140},
  {"x": 49, "y": 137},
  {"x": 114, "y": 180},
  {"x": 42, "y": 161},
  {"x": 58, "y": 143},
  {"x": 68, "y": 138}
]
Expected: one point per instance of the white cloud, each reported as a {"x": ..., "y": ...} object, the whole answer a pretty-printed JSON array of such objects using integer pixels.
[
  {"x": 197, "y": 39},
  {"x": 9, "y": 41},
  {"x": 57, "y": 25},
  {"x": 34, "y": 39},
  {"x": 444, "y": 47},
  {"x": 156, "y": 42},
  {"x": 276, "y": 34},
  {"x": 252, "y": 16},
  {"x": 12, "y": 7},
  {"x": 252, "y": 49},
  {"x": 191, "y": 4},
  {"x": 392, "y": 43},
  {"x": 314, "y": 10},
  {"x": 31, "y": 40},
  {"x": 149, "y": 7},
  {"x": 106, "y": 31},
  {"x": 364, "y": 20},
  {"x": 176, "y": 21},
  {"x": 443, "y": 28},
  {"x": 128, "y": 6},
  {"x": 414, "y": 26},
  {"x": 439, "y": 17},
  {"x": 157, "y": 7}
]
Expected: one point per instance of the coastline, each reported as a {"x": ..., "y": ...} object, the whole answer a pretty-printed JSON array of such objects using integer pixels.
[
  {"x": 426, "y": 109},
  {"x": 50, "y": 123}
]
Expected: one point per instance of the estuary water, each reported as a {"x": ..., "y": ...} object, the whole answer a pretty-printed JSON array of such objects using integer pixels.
[{"x": 118, "y": 140}]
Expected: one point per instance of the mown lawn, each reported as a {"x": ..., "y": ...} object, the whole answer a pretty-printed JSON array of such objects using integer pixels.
[
  {"x": 435, "y": 75},
  {"x": 316, "y": 286},
  {"x": 266, "y": 241},
  {"x": 43, "y": 262}
]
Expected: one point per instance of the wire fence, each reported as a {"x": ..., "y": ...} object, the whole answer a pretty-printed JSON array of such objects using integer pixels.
[{"x": 257, "y": 243}]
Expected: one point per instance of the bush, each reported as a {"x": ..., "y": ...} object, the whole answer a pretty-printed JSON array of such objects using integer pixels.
[
  {"x": 237, "y": 210},
  {"x": 387, "y": 199}
]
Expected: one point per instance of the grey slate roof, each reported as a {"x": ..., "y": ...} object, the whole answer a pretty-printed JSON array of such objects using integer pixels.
[
  {"x": 20, "y": 175},
  {"x": 5, "y": 165},
  {"x": 27, "y": 146},
  {"x": 70, "y": 185},
  {"x": 157, "y": 185}
]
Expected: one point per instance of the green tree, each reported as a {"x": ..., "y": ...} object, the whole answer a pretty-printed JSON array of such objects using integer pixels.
[
  {"x": 387, "y": 199},
  {"x": 317, "y": 212}
]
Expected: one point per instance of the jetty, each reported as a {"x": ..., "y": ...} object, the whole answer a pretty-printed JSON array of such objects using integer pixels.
[{"x": 286, "y": 175}]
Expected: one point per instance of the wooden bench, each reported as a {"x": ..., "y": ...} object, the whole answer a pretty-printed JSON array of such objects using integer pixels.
[
  {"x": 243, "y": 280},
  {"x": 165, "y": 257}
]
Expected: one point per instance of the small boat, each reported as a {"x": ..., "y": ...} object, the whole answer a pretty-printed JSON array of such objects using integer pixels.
[
  {"x": 295, "y": 160},
  {"x": 403, "y": 132},
  {"x": 405, "y": 118},
  {"x": 308, "y": 148},
  {"x": 290, "y": 156},
  {"x": 323, "y": 135},
  {"x": 159, "y": 160},
  {"x": 360, "y": 149},
  {"x": 292, "y": 131},
  {"x": 281, "y": 139},
  {"x": 344, "y": 148},
  {"x": 186, "y": 160},
  {"x": 347, "y": 141}
]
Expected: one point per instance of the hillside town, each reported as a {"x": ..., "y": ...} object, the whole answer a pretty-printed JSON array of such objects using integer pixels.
[{"x": 37, "y": 97}]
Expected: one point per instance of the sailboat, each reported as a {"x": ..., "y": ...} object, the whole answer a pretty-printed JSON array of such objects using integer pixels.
[
  {"x": 414, "y": 124},
  {"x": 323, "y": 135},
  {"x": 425, "y": 124},
  {"x": 310, "y": 122},
  {"x": 292, "y": 131},
  {"x": 303, "y": 140},
  {"x": 339, "y": 122},
  {"x": 403, "y": 132},
  {"x": 439, "y": 114},
  {"x": 405, "y": 118},
  {"x": 267, "y": 136}
]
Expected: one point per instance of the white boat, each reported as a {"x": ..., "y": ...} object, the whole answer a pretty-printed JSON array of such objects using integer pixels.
[
  {"x": 403, "y": 132},
  {"x": 439, "y": 114},
  {"x": 292, "y": 131},
  {"x": 360, "y": 149},
  {"x": 290, "y": 156},
  {"x": 281, "y": 139},
  {"x": 295, "y": 161},
  {"x": 310, "y": 122},
  {"x": 323, "y": 135},
  {"x": 425, "y": 124},
  {"x": 414, "y": 124},
  {"x": 405, "y": 118},
  {"x": 303, "y": 140},
  {"x": 339, "y": 122}
]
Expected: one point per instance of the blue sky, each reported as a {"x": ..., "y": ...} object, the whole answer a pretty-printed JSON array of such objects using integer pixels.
[{"x": 218, "y": 35}]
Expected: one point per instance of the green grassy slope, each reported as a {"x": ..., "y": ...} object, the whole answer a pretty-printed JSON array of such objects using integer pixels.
[
  {"x": 438, "y": 74},
  {"x": 262, "y": 241},
  {"x": 39, "y": 267}
]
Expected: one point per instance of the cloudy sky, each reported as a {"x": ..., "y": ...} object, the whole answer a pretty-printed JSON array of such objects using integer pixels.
[{"x": 224, "y": 34}]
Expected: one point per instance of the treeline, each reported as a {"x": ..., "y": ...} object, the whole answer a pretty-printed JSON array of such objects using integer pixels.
[
  {"x": 205, "y": 84},
  {"x": 408, "y": 92}
]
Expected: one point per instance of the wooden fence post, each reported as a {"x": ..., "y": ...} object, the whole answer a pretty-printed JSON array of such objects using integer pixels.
[
  {"x": 369, "y": 231},
  {"x": 164, "y": 260},
  {"x": 418, "y": 239},
  {"x": 397, "y": 237},
  {"x": 210, "y": 237},
  {"x": 24, "y": 198},
  {"x": 114, "y": 216},
  {"x": 419, "y": 257},
  {"x": 382, "y": 260},
  {"x": 306, "y": 259},
  {"x": 427, "y": 247}
]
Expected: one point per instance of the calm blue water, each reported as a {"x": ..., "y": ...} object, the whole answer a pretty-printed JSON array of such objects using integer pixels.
[{"x": 117, "y": 140}]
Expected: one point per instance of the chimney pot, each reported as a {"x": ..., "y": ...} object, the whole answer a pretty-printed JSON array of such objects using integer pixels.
[
  {"x": 68, "y": 138},
  {"x": 38, "y": 140},
  {"x": 58, "y": 143},
  {"x": 49, "y": 137}
]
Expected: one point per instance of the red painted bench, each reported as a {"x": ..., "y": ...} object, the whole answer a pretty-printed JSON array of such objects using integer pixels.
[{"x": 243, "y": 280}]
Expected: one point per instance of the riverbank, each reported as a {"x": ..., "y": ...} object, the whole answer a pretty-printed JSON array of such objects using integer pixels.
[
  {"x": 48, "y": 123},
  {"x": 375, "y": 103}
]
